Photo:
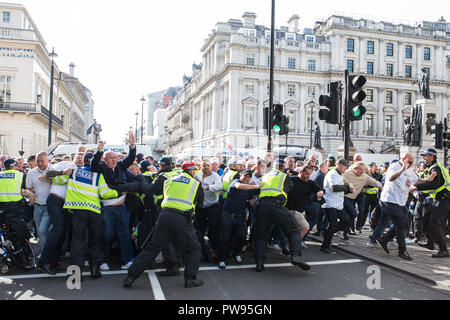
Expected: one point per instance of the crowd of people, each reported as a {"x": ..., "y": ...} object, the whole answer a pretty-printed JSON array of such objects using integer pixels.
[{"x": 213, "y": 211}]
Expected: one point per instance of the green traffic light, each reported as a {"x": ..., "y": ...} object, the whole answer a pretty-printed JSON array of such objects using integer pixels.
[
  {"x": 356, "y": 112},
  {"x": 277, "y": 129}
]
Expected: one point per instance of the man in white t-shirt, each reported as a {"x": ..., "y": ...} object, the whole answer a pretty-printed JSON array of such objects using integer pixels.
[
  {"x": 61, "y": 219},
  {"x": 38, "y": 189},
  {"x": 400, "y": 177}
]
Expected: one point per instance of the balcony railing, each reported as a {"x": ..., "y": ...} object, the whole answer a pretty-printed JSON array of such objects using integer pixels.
[
  {"x": 17, "y": 106},
  {"x": 17, "y": 34},
  {"x": 56, "y": 120}
]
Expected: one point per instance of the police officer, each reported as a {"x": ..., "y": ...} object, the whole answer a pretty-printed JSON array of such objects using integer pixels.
[
  {"x": 12, "y": 187},
  {"x": 423, "y": 202},
  {"x": 439, "y": 190},
  {"x": 182, "y": 194},
  {"x": 84, "y": 191},
  {"x": 271, "y": 209},
  {"x": 371, "y": 201},
  {"x": 331, "y": 162},
  {"x": 232, "y": 174}
]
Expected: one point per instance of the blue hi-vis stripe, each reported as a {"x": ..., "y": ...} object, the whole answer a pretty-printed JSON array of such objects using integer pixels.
[{"x": 8, "y": 176}]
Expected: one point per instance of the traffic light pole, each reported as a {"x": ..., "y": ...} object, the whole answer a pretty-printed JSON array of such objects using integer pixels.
[
  {"x": 346, "y": 120},
  {"x": 272, "y": 65}
]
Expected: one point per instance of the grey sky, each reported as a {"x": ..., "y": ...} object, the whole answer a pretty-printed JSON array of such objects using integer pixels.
[{"x": 124, "y": 49}]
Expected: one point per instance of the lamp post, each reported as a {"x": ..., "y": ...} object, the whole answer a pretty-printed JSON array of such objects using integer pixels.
[
  {"x": 312, "y": 103},
  {"x": 137, "y": 115},
  {"x": 142, "y": 119},
  {"x": 50, "y": 107},
  {"x": 21, "y": 152}
]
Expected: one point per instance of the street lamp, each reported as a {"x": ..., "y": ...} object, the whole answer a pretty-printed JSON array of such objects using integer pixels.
[
  {"x": 137, "y": 115},
  {"x": 142, "y": 119},
  {"x": 50, "y": 114},
  {"x": 312, "y": 103}
]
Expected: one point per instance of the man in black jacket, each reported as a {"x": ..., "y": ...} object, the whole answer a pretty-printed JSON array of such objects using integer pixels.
[{"x": 115, "y": 214}]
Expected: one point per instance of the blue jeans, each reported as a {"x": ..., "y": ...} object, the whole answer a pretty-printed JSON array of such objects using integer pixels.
[
  {"x": 350, "y": 207},
  {"x": 232, "y": 235},
  {"x": 42, "y": 220},
  {"x": 278, "y": 235},
  {"x": 117, "y": 220},
  {"x": 384, "y": 219},
  {"x": 312, "y": 213}
]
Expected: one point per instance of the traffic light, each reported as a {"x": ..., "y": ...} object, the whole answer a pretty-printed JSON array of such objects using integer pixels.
[
  {"x": 356, "y": 97},
  {"x": 284, "y": 126},
  {"x": 277, "y": 120},
  {"x": 330, "y": 111},
  {"x": 438, "y": 135},
  {"x": 446, "y": 136}
]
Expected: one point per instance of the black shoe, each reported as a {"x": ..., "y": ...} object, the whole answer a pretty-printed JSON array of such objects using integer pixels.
[
  {"x": 328, "y": 250},
  {"x": 296, "y": 261},
  {"x": 128, "y": 282},
  {"x": 441, "y": 254},
  {"x": 316, "y": 234},
  {"x": 57, "y": 268},
  {"x": 427, "y": 245},
  {"x": 352, "y": 233},
  {"x": 45, "y": 268},
  {"x": 192, "y": 283},
  {"x": 383, "y": 245},
  {"x": 346, "y": 238},
  {"x": 404, "y": 255},
  {"x": 95, "y": 271},
  {"x": 285, "y": 252},
  {"x": 170, "y": 272},
  {"x": 259, "y": 266}
]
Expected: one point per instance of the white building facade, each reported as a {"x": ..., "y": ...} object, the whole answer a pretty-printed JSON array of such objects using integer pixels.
[{"x": 223, "y": 102}]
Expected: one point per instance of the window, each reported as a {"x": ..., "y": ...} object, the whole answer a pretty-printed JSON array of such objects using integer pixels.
[
  {"x": 369, "y": 67},
  {"x": 309, "y": 39},
  {"x": 390, "y": 69},
  {"x": 408, "y": 71},
  {"x": 311, "y": 92},
  {"x": 388, "y": 96},
  {"x": 408, "y": 98},
  {"x": 369, "y": 122},
  {"x": 6, "y": 17},
  {"x": 369, "y": 95},
  {"x": 408, "y": 52},
  {"x": 350, "y": 45},
  {"x": 291, "y": 90},
  {"x": 291, "y": 63},
  {"x": 426, "y": 53},
  {"x": 370, "y": 47},
  {"x": 248, "y": 117},
  {"x": 250, "y": 89},
  {"x": 390, "y": 49},
  {"x": 350, "y": 65},
  {"x": 251, "y": 60},
  {"x": 427, "y": 70},
  {"x": 290, "y": 36},
  {"x": 388, "y": 124},
  {"x": 5, "y": 89},
  {"x": 268, "y": 60},
  {"x": 312, "y": 65},
  {"x": 268, "y": 34}
]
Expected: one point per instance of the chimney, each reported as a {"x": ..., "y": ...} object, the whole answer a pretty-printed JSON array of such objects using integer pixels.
[
  {"x": 249, "y": 19},
  {"x": 72, "y": 69},
  {"x": 293, "y": 23}
]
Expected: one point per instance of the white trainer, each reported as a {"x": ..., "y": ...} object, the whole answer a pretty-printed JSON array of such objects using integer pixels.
[
  {"x": 104, "y": 267},
  {"x": 127, "y": 266}
]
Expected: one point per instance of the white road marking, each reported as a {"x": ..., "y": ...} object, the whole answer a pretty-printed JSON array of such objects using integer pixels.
[
  {"x": 211, "y": 268},
  {"x": 156, "y": 287}
]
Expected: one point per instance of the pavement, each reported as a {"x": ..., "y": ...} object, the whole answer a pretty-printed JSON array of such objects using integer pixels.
[{"x": 422, "y": 266}]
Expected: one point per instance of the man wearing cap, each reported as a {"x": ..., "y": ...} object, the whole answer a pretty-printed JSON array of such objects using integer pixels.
[
  {"x": 233, "y": 218},
  {"x": 437, "y": 214},
  {"x": 232, "y": 174},
  {"x": 208, "y": 215},
  {"x": 335, "y": 187},
  {"x": 273, "y": 198},
  {"x": 84, "y": 191},
  {"x": 371, "y": 201},
  {"x": 182, "y": 195},
  {"x": 331, "y": 162},
  {"x": 12, "y": 187},
  {"x": 115, "y": 214}
]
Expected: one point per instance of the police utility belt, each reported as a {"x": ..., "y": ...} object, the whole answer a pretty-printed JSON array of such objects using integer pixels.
[{"x": 277, "y": 202}]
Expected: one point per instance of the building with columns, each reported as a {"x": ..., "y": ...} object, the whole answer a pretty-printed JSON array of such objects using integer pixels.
[{"x": 222, "y": 103}]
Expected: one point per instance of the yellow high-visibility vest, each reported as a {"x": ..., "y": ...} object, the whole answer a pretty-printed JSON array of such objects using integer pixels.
[
  {"x": 11, "y": 186},
  {"x": 273, "y": 184},
  {"x": 445, "y": 174},
  {"x": 180, "y": 192},
  {"x": 227, "y": 180}
]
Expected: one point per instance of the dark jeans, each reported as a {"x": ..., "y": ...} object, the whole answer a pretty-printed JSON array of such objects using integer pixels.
[
  {"x": 420, "y": 227},
  {"x": 117, "y": 220},
  {"x": 86, "y": 224},
  {"x": 313, "y": 210},
  {"x": 232, "y": 235},
  {"x": 12, "y": 217},
  {"x": 344, "y": 224},
  {"x": 268, "y": 213},
  {"x": 175, "y": 227},
  {"x": 369, "y": 204},
  {"x": 439, "y": 212},
  {"x": 207, "y": 220},
  {"x": 61, "y": 221},
  {"x": 350, "y": 208},
  {"x": 399, "y": 218},
  {"x": 382, "y": 221},
  {"x": 276, "y": 234}
]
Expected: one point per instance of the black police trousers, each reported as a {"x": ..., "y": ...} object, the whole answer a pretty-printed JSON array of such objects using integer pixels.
[
  {"x": 421, "y": 217},
  {"x": 369, "y": 205},
  {"x": 171, "y": 226},
  {"x": 87, "y": 234},
  {"x": 268, "y": 213},
  {"x": 439, "y": 212},
  {"x": 12, "y": 217}
]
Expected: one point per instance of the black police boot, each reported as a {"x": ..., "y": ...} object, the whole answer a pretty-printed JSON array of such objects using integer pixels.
[
  {"x": 45, "y": 268},
  {"x": 95, "y": 271},
  {"x": 441, "y": 254},
  {"x": 296, "y": 261},
  {"x": 128, "y": 282},
  {"x": 259, "y": 266},
  {"x": 404, "y": 255},
  {"x": 426, "y": 244},
  {"x": 383, "y": 244},
  {"x": 172, "y": 271},
  {"x": 192, "y": 283}
]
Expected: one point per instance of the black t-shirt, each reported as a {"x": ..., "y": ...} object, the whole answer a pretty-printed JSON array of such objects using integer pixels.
[
  {"x": 301, "y": 193},
  {"x": 236, "y": 201}
]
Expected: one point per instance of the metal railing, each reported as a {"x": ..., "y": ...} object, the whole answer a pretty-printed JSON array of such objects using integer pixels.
[
  {"x": 17, "y": 34},
  {"x": 18, "y": 106},
  {"x": 56, "y": 120}
]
